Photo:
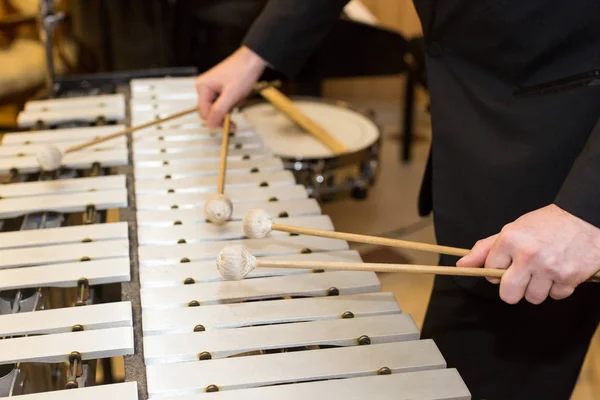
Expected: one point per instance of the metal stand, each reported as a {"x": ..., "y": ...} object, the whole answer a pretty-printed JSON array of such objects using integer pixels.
[{"x": 49, "y": 19}]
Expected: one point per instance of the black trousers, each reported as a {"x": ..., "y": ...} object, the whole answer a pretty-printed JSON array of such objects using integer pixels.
[{"x": 512, "y": 352}]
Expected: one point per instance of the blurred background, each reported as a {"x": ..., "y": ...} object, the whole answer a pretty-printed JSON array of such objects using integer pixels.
[{"x": 372, "y": 59}]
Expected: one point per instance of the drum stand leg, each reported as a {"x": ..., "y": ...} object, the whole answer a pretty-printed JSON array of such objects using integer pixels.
[
  {"x": 409, "y": 110},
  {"x": 415, "y": 75}
]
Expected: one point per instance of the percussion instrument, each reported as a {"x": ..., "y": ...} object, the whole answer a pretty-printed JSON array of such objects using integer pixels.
[
  {"x": 184, "y": 332},
  {"x": 323, "y": 172},
  {"x": 59, "y": 256}
]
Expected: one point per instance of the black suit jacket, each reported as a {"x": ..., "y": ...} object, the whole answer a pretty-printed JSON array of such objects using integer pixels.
[{"x": 495, "y": 155}]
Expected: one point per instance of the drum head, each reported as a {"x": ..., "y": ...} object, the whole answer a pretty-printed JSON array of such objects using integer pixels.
[{"x": 288, "y": 140}]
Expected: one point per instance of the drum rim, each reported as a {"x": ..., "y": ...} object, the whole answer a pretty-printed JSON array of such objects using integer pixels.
[{"x": 337, "y": 159}]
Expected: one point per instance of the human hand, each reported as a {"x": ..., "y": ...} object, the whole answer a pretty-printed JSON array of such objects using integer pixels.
[
  {"x": 228, "y": 83},
  {"x": 547, "y": 252}
]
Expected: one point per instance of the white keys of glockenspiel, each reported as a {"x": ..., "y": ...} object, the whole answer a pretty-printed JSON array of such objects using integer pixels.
[
  {"x": 144, "y": 85},
  {"x": 276, "y": 209},
  {"x": 116, "y": 391},
  {"x": 77, "y": 160},
  {"x": 70, "y": 103},
  {"x": 34, "y": 149},
  {"x": 313, "y": 285},
  {"x": 75, "y": 202},
  {"x": 192, "y": 150},
  {"x": 64, "y": 253},
  {"x": 94, "y": 344},
  {"x": 151, "y": 134},
  {"x": 282, "y": 245},
  {"x": 27, "y": 119},
  {"x": 191, "y": 146},
  {"x": 227, "y": 316},
  {"x": 194, "y": 233},
  {"x": 100, "y": 272},
  {"x": 64, "y": 235},
  {"x": 145, "y": 117},
  {"x": 145, "y": 105},
  {"x": 62, "y": 320},
  {"x": 224, "y": 343},
  {"x": 439, "y": 384},
  {"x": 142, "y": 141},
  {"x": 272, "y": 369},
  {"x": 208, "y": 155},
  {"x": 209, "y": 183},
  {"x": 266, "y": 164},
  {"x": 53, "y": 136},
  {"x": 62, "y": 186},
  {"x": 259, "y": 196},
  {"x": 205, "y": 271},
  {"x": 168, "y": 96}
]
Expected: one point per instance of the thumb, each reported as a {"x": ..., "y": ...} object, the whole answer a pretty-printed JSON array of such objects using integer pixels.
[{"x": 478, "y": 254}]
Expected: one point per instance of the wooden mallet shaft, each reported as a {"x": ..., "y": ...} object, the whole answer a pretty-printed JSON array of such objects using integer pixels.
[
  {"x": 287, "y": 107},
  {"x": 224, "y": 149},
  {"x": 352, "y": 237},
  {"x": 381, "y": 267},
  {"x": 130, "y": 130}
]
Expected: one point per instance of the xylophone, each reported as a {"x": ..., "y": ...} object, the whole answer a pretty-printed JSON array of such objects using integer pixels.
[{"x": 282, "y": 333}]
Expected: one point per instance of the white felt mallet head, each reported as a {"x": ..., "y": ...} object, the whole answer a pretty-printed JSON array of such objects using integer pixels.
[
  {"x": 257, "y": 224},
  {"x": 49, "y": 157},
  {"x": 235, "y": 262},
  {"x": 218, "y": 209}
]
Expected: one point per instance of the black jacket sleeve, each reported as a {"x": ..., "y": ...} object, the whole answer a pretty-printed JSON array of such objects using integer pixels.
[
  {"x": 288, "y": 31},
  {"x": 580, "y": 193}
]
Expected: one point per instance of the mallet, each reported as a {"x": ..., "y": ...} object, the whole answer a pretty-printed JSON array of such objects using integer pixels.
[
  {"x": 289, "y": 109},
  {"x": 218, "y": 207},
  {"x": 236, "y": 262},
  {"x": 50, "y": 157},
  {"x": 257, "y": 224}
]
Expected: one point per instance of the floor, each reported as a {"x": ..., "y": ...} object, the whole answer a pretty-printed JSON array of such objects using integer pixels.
[{"x": 391, "y": 207}]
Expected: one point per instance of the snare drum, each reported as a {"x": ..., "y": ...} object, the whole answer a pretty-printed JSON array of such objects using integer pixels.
[{"x": 324, "y": 173}]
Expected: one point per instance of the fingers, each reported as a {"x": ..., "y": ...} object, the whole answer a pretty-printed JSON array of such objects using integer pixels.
[
  {"x": 538, "y": 290},
  {"x": 514, "y": 284},
  {"x": 479, "y": 252},
  {"x": 224, "y": 103},
  {"x": 206, "y": 96},
  {"x": 559, "y": 292},
  {"x": 218, "y": 110},
  {"x": 499, "y": 257}
]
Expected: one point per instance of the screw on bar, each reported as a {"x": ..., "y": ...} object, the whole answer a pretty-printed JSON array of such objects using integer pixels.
[
  {"x": 73, "y": 372},
  {"x": 96, "y": 169},
  {"x": 90, "y": 214},
  {"x": 83, "y": 286}
]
